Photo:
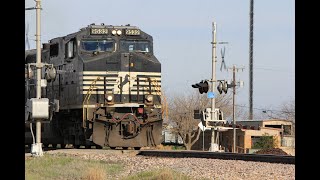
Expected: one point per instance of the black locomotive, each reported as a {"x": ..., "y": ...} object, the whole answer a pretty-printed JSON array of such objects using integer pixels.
[{"x": 106, "y": 90}]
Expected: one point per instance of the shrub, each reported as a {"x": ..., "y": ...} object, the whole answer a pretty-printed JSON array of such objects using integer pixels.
[{"x": 266, "y": 142}]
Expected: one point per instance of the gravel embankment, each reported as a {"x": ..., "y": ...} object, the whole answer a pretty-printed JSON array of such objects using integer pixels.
[{"x": 193, "y": 167}]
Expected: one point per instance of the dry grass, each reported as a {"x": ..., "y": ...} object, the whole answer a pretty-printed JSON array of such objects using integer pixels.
[
  {"x": 95, "y": 174},
  {"x": 166, "y": 175},
  {"x": 162, "y": 147},
  {"x": 169, "y": 147},
  {"x": 160, "y": 174}
]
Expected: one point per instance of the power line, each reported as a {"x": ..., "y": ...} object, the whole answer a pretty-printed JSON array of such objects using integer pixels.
[
  {"x": 266, "y": 109},
  {"x": 275, "y": 70}
]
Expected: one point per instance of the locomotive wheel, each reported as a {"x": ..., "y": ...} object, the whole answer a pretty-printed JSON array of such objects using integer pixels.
[
  {"x": 76, "y": 146},
  {"x": 62, "y": 146},
  {"x": 98, "y": 147},
  {"x": 137, "y": 148},
  {"x": 124, "y": 148},
  {"x": 88, "y": 146},
  {"x": 112, "y": 147}
]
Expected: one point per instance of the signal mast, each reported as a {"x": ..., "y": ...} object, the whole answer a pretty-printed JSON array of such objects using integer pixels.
[{"x": 37, "y": 109}]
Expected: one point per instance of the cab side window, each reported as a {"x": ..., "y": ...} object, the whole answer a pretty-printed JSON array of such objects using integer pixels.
[
  {"x": 70, "y": 49},
  {"x": 54, "y": 50}
]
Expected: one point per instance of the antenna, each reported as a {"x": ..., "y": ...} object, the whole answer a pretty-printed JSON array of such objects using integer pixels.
[
  {"x": 223, "y": 63},
  {"x": 27, "y": 34}
]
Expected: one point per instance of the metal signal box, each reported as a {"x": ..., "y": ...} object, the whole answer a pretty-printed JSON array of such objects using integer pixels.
[{"x": 39, "y": 108}]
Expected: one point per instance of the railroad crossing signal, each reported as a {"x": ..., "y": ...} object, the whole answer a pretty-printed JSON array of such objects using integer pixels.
[
  {"x": 203, "y": 86},
  {"x": 223, "y": 87}
]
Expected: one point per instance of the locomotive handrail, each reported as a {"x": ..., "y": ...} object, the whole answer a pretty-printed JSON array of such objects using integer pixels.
[
  {"x": 158, "y": 91},
  {"x": 86, "y": 99}
]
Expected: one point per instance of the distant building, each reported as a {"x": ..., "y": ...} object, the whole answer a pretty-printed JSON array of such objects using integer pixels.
[
  {"x": 284, "y": 125},
  {"x": 169, "y": 136},
  {"x": 248, "y": 132}
]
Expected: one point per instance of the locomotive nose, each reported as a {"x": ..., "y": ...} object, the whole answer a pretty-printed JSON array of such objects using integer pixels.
[{"x": 125, "y": 61}]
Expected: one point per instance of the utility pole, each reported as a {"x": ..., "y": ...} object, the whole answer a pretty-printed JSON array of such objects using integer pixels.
[
  {"x": 234, "y": 109},
  {"x": 213, "y": 82},
  {"x": 234, "y": 84},
  {"x": 251, "y": 63}
]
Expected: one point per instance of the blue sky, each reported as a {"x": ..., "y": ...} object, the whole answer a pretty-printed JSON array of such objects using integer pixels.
[{"x": 182, "y": 33}]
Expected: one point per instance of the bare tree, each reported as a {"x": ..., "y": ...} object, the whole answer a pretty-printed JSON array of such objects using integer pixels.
[
  {"x": 181, "y": 111},
  {"x": 286, "y": 111}
]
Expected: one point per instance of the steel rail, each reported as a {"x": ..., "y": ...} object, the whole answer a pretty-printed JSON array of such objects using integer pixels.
[{"x": 284, "y": 159}]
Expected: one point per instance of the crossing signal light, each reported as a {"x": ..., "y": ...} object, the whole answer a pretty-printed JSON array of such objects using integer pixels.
[
  {"x": 223, "y": 87},
  {"x": 203, "y": 86}
]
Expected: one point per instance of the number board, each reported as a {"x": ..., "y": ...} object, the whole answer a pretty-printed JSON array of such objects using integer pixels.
[
  {"x": 132, "y": 31},
  {"x": 99, "y": 31}
]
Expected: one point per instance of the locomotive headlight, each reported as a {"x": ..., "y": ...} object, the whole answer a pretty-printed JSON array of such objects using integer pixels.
[
  {"x": 149, "y": 98},
  {"x": 114, "y": 32},
  {"x": 109, "y": 98},
  {"x": 119, "y": 32}
]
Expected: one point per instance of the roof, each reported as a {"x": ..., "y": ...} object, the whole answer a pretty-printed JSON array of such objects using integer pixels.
[{"x": 263, "y": 120}]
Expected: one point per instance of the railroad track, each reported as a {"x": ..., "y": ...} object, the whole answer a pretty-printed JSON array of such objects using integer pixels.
[
  {"x": 283, "y": 159},
  {"x": 28, "y": 149},
  {"x": 221, "y": 155}
]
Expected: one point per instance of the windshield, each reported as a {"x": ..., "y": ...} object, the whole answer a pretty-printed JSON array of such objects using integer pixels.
[
  {"x": 135, "y": 46},
  {"x": 97, "y": 45}
]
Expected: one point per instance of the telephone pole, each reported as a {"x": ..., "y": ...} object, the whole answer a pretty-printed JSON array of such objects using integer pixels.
[
  {"x": 251, "y": 63},
  {"x": 234, "y": 84}
]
